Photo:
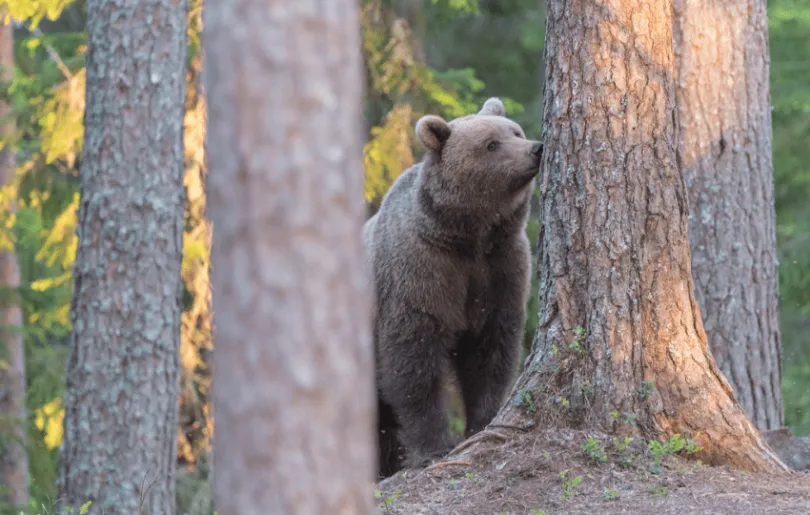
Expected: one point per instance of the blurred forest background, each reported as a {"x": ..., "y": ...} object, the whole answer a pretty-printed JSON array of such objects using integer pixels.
[{"x": 422, "y": 56}]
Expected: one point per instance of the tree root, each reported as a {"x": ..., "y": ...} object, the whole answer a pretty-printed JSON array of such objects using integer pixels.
[
  {"x": 522, "y": 429},
  {"x": 476, "y": 438},
  {"x": 442, "y": 464}
]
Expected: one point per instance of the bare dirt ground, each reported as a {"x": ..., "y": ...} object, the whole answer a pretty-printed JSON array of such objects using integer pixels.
[{"x": 534, "y": 474}]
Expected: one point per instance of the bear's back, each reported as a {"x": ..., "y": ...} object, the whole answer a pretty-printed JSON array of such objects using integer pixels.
[
  {"x": 394, "y": 216},
  {"x": 407, "y": 267}
]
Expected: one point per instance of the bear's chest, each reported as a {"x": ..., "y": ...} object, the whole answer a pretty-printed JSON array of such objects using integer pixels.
[{"x": 478, "y": 297}]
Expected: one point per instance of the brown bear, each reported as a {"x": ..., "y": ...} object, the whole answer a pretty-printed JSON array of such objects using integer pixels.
[{"x": 450, "y": 264}]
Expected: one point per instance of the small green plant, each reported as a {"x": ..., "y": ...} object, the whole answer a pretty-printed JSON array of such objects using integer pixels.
[
  {"x": 469, "y": 476},
  {"x": 564, "y": 402},
  {"x": 626, "y": 458},
  {"x": 527, "y": 399},
  {"x": 610, "y": 494},
  {"x": 579, "y": 339},
  {"x": 569, "y": 485},
  {"x": 84, "y": 509},
  {"x": 646, "y": 389},
  {"x": 594, "y": 451},
  {"x": 388, "y": 502},
  {"x": 659, "y": 450},
  {"x": 537, "y": 512},
  {"x": 586, "y": 389},
  {"x": 629, "y": 418},
  {"x": 615, "y": 415},
  {"x": 621, "y": 446},
  {"x": 661, "y": 491},
  {"x": 692, "y": 446}
]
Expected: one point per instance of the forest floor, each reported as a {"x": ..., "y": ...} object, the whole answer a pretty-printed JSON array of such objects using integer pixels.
[{"x": 550, "y": 473}]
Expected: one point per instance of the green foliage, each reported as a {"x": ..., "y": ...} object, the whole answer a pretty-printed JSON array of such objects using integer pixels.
[
  {"x": 387, "y": 503},
  {"x": 610, "y": 494},
  {"x": 459, "y": 6},
  {"x": 789, "y": 24},
  {"x": 594, "y": 450},
  {"x": 33, "y": 11},
  {"x": 569, "y": 485},
  {"x": 647, "y": 389},
  {"x": 527, "y": 400},
  {"x": 658, "y": 450},
  {"x": 626, "y": 456},
  {"x": 503, "y": 43},
  {"x": 672, "y": 446},
  {"x": 578, "y": 340}
]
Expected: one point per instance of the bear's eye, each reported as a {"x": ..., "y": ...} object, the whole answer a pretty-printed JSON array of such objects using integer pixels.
[
  {"x": 518, "y": 134},
  {"x": 492, "y": 146}
]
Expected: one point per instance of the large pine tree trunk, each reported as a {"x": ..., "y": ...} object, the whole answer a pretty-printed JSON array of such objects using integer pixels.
[
  {"x": 294, "y": 397},
  {"x": 123, "y": 371},
  {"x": 14, "y": 461},
  {"x": 620, "y": 335},
  {"x": 724, "y": 112}
]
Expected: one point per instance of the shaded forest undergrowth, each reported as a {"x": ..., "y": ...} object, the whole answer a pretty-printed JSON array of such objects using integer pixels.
[{"x": 576, "y": 472}]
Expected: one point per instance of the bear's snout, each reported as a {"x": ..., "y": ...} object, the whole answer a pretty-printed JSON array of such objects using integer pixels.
[{"x": 537, "y": 149}]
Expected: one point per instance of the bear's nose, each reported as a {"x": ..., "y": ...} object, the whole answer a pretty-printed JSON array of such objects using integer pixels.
[{"x": 537, "y": 149}]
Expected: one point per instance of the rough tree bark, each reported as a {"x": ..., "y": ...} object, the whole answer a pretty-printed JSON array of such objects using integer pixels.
[
  {"x": 620, "y": 335},
  {"x": 123, "y": 375},
  {"x": 294, "y": 397},
  {"x": 14, "y": 461},
  {"x": 724, "y": 150}
]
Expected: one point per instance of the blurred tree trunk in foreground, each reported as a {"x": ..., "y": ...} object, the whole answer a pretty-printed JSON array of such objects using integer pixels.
[
  {"x": 725, "y": 152},
  {"x": 294, "y": 399},
  {"x": 620, "y": 335},
  {"x": 14, "y": 461},
  {"x": 123, "y": 374}
]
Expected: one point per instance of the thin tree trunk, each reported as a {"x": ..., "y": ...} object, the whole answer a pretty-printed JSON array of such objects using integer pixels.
[
  {"x": 294, "y": 397},
  {"x": 620, "y": 335},
  {"x": 123, "y": 375},
  {"x": 724, "y": 148},
  {"x": 412, "y": 11},
  {"x": 14, "y": 460}
]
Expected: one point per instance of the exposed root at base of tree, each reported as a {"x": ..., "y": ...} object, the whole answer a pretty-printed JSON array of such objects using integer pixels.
[
  {"x": 476, "y": 438},
  {"x": 443, "y": 464},
  {"x": 579, "y": 472}
]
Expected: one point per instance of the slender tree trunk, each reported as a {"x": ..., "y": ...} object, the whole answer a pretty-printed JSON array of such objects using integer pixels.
[
  {"x": 724, "y": 148},
  {"x": 620, "y": 335},
  {"x": 123, "y": 374},
  {"x": 294, "y": 397},
  {"x": 412, "y": 12},
  {"x": 14, "y": 461}
]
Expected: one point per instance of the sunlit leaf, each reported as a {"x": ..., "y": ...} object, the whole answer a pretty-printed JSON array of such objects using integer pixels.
[{"x": 48, "y": 418}]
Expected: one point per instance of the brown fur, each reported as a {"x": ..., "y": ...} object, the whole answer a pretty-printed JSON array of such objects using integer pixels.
[{"x": 450, "y": 263}]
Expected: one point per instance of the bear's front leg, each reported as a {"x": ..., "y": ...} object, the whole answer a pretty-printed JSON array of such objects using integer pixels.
[
  {"x": 414, "y": 363},
  {"x": 486, "y": 362},
  {"x": 485, "y": 366}
]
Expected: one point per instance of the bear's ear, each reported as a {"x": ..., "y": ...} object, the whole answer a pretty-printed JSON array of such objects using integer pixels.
[
  {"x": 432, "y": 132},
  {"x": 493, "y": 107}
]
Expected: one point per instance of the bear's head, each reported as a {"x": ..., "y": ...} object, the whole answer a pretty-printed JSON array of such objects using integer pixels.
[{"x": 480, "y": 162}]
